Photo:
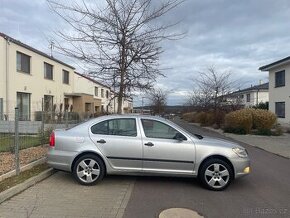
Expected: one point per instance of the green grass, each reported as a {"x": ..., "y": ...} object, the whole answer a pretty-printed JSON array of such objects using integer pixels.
[
  {"x": 15, "y": 180},
  {"x": 25, "y": 141}
]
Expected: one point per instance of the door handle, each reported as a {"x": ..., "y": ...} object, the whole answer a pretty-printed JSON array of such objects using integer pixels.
[
  {"x": 102, "y": 141},
  {"x": 150, "y": 144}
]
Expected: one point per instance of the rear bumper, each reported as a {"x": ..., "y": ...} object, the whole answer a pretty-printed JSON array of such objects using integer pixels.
[
  {"x": 60, "y": 160},
  {"x": 241, "y": 166}
]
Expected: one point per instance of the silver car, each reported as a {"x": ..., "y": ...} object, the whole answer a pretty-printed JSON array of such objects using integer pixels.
[{"x": 147, "y": 145}]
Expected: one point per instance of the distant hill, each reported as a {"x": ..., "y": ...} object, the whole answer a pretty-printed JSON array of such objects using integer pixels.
[{"x": 169, "y": 109}]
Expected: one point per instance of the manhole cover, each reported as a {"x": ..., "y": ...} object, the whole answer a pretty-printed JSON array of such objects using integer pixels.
[{"x": 179, "y": 213}]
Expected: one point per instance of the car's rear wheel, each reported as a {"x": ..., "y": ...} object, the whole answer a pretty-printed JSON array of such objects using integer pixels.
[
  {"x": 89, "y": 169},
  {"x": 216, "y": 174}
]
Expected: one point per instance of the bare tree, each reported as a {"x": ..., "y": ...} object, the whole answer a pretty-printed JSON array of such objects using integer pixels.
[
  {"x": 117, "y": 40},
  {"x": 211, "y": 89},
  {"x": 158, "y": 99}
]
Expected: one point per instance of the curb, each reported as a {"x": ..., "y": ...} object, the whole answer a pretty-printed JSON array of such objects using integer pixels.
[
  {"x": 23, "y": 168},
  {"x": 125, "y": 201},
  {"x": 26, "y": 184}
]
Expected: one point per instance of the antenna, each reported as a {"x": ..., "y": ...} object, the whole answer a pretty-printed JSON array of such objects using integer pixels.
[{"x": 51, "y": 46}]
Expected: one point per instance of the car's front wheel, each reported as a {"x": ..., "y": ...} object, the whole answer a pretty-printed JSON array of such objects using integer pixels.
[
  {"x": 216, "y": 174},
  {"x": 89, "y": 169}
]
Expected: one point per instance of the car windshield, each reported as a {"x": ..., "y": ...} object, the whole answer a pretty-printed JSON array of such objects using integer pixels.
[{"x": 187, "y": 132}]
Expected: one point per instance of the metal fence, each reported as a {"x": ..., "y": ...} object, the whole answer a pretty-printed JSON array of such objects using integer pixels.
[{"x": 23, "y": 141}]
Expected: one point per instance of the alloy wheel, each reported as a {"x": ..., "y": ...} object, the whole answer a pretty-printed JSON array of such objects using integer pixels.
[
  {"x": 217, "y": 176},
  {"x": 88, "y": 170}
]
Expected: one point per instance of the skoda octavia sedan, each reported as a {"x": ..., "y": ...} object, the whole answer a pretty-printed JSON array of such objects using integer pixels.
[{"x": 144, "y": 145}]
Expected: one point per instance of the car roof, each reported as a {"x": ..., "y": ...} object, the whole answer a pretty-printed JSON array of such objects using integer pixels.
[{"x": 132, "y": 116}]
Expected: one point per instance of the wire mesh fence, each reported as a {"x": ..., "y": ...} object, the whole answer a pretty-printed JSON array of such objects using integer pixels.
[{"x": 24, "y": 139}]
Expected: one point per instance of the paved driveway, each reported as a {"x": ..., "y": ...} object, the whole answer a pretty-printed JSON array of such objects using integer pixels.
[
  {"x": 60, "y": 196},
  {"x": 264, "y": 193}
]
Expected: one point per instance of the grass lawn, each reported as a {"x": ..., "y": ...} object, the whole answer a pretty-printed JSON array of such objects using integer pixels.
[
  {"x": 15, "y": 180},
  {"x": 25, "y": 141}
]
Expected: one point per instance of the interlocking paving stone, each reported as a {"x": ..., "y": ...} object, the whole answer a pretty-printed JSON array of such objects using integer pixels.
[{"x": 61, "y": 196}]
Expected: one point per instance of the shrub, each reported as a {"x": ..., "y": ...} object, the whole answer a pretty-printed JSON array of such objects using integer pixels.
[
  {"x": 262, "y": 105},
  {"x": 201, "y": 117},
  {"x": 219, "y": 118},
  {"x": 264, "y": 132},
  {"x": 44, "y": 136},
  {"x": 263, "y": 119},
  {"x": 278, "y": 130},
  {"x": 205, "y": 119},
  {"x": 188, "y": 116},
  {"x": 239, "y": 121}
]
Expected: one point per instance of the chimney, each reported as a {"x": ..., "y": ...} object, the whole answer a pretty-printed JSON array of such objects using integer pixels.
[{"x": 260, "y": 82}]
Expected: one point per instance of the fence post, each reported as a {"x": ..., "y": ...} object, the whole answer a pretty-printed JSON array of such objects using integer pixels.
[
  {"x": 16, "y": 142},
  {"x": 66, "y": 118}
]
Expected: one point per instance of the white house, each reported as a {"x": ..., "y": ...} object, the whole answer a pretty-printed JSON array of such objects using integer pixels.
[
  {"x": 279, "y": 88},
  {"x": 31, "y": 79},
  {"x": 34, "y": 81},
  {"x": 250, "y": 96}
]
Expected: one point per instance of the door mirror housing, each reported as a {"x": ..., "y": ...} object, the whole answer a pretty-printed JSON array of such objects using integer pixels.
[{"x": 178, "y": 136}]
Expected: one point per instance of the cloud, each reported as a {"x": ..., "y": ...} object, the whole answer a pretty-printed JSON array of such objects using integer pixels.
[{"x": 232, "y": 35}]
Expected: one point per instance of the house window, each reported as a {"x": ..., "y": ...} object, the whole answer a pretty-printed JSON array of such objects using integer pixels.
[
  {"x": 107, "y": 94},
  {"x": 280, "y": 109},
  {"x": 23, "y": 104},
  {"x": 88, "y": 107},
  {"x": 48, "y": 71},
  {"x": 1, "y": 108},
  {"x": 102, "y": 93},
  {"x": 48, "y": 103},
  {"x": 241, "y": 96},
  {"x": 248, "y": 97},
  {"x": 65, "y": 76},
  {"x": 280, "y": 78},
  {"x": 22, "y": 62},
  {"x": 96, "y": 91},
  {"x": 66, "y": 104}
]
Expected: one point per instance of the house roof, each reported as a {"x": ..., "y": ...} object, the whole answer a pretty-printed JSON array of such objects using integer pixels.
[
  {"x": 91, "y": 79},
  {"x": 264, "y": 86},
  {"x": 275, "y": 64},
  {"x": 17, "y": 42}
]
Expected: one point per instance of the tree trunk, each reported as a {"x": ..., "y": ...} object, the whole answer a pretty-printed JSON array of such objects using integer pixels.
[{"x": 122, "y": 88}]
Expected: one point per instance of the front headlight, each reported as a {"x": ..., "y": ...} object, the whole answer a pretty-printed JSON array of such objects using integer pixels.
[{"x": 241, "y": 152}]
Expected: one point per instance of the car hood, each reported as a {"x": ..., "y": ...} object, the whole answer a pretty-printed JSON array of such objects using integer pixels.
[{"x": 219, "y": 142}]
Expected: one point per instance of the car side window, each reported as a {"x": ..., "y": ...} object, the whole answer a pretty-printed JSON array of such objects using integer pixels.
[
  {"x": 157, "y": 129},
  {"x": 120, "y": 127}
]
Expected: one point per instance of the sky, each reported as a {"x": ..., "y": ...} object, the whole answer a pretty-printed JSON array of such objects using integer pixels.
[{"x": 231, "y": 35}]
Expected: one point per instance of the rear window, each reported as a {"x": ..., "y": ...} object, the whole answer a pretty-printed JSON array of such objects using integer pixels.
[{"x": 119, "y": 127}]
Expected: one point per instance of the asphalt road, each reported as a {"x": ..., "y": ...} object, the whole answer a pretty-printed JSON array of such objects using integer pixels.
[{"x": 264, "y": 193}]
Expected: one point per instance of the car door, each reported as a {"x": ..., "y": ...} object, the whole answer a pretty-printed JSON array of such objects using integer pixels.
[
  {"x": 120, "y": 141},
  {"x": 162, "y": 152}
]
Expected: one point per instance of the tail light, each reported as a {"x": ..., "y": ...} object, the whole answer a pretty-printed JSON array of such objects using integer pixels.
[{"x": 52, "y": 140}]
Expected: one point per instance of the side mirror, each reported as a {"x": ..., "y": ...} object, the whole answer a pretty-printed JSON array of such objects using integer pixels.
[{"x": 178, "y": 136}]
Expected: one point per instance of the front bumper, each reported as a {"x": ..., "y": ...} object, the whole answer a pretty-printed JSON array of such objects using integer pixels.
[{"x": 242, "y": 166}]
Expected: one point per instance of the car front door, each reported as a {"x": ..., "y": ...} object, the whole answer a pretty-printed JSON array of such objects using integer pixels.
[
  {"x": 120, "y": 141},
  {"x": 162, "y": 151}
]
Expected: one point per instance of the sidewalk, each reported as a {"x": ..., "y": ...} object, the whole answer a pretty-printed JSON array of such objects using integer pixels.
[
  {"x": 60, "y": 196},
  {"x": 275, "y": 144}
]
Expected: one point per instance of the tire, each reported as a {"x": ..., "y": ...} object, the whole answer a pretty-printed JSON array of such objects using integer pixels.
[
  {"x": 216, "y": 174},
  {"x": 89, "y": 169}
]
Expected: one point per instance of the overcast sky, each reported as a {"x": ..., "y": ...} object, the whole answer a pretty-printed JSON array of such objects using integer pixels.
[{"x": 232, "y": 35}]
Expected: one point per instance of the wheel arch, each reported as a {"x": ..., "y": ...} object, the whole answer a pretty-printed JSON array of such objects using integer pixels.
[
  {"x": 221, "y": 157},
  {"x": 86, "y": 153}
]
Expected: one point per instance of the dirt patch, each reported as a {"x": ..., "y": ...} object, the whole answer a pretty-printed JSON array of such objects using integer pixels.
[{"x": 7, "y": 159}]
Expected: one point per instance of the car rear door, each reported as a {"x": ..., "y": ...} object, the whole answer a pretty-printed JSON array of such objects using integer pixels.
[
  {"x": 120, "y": 141},
  {"x": 163, "y": 153}
]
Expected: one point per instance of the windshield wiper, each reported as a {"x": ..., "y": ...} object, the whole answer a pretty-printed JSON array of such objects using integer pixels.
[{"x": 199, "y": 136}]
